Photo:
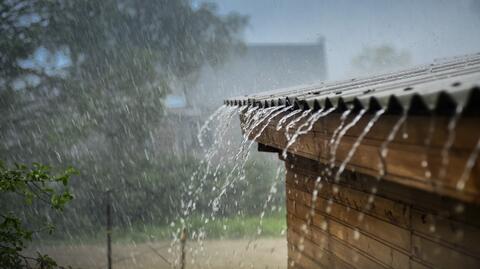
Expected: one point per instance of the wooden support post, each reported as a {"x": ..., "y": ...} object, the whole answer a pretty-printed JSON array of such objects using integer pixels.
[
  {"x": 109, "y": 229},
  {"x": 183, "y": 241}
]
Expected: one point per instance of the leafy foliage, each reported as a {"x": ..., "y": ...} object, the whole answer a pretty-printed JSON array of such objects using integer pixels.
[
  {"x": 103, "y": 107},
  {"x": 28, "y": 185}
]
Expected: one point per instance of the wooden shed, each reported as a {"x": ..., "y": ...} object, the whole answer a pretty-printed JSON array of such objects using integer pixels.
[{"x": 383, "y": 172}]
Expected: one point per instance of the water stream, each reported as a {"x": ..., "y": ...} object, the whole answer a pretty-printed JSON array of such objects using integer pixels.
[
  {"x": 220, "y": 154},
  {"x": 384, "y": 147},
  {"x": 272, "y": 191},
  {"x": 224, "y": 117},
  {"x": 242, "y": 156},
  {"x": 305, "y": 128},
  {"x": 357, "y": 143},
  {"x": 286, "y": 117},
  {"x": 342, "y": 132},
  {"x": 383, "y": 153},
  {"x": 213, "y": 118},
  {"x": 295, "y": 121},
  {"x": 469, "y": 166},
  {"x": 445, "y": 153},
  {"x": 428, "y": 142}
]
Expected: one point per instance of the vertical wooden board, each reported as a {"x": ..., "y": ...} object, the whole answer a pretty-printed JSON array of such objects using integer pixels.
[
  {"x": 458, "y": 235},
  {"x": 440, "y": 256}
]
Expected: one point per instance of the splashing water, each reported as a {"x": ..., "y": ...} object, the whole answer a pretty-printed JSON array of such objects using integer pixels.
[
  {"x": 205, "y": 126},
  {"x": 286, "y": 117},
  {"x": 250, "y": 116},
  {"x": 341, "y": 134},
  {"x": 357, "y": 143},
  {"x": 257, "y": 118},
  {"x": 242, "y": 156},
  {"x": 295, "y": 121},
  {"x": 246, "y": 151},
  {"x": 254, "y": 121},
  {"x": 340, "y": 126},
  {"x": 223, "y": 117},
  {"x": 268, "y": 123},
  {"x": 332, "y": 139},
  {"x": 305, "y": 128}
]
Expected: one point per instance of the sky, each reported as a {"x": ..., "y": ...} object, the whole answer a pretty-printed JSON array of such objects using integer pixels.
[{"x": 427, "y": 29}]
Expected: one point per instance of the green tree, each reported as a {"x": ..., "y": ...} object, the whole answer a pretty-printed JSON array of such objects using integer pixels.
[
  {"x": 22, "y": 185},
  {"x": 100, "y": 109}
]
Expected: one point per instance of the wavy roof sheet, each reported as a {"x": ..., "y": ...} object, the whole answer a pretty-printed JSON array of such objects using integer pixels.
[{"x": 442, "y": 87}]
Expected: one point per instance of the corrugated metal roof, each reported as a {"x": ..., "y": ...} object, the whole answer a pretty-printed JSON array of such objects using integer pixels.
[{"x": 441, "y": 87}]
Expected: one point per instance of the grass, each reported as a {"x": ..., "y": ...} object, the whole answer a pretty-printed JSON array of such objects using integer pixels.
[
  {"x": 224, "y": 228},
  {"x": 239, "y": 227}
]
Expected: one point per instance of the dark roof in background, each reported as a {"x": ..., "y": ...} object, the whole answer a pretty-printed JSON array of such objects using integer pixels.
[{"x": 441, "y": 87}]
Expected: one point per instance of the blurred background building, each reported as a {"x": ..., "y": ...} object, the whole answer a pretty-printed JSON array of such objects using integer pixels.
[{"x": 259, "y": 67}]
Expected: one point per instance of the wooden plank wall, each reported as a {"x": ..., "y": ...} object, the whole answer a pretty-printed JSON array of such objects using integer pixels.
[
  {"x": 407, "y": 153},
  {"x": 402, "y": 228}
]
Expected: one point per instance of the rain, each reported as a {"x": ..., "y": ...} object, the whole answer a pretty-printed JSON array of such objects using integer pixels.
[{"x": 239, "y": 134}]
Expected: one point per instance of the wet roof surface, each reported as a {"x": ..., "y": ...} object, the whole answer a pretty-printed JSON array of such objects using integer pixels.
[{"x": 442, "y": 87}]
